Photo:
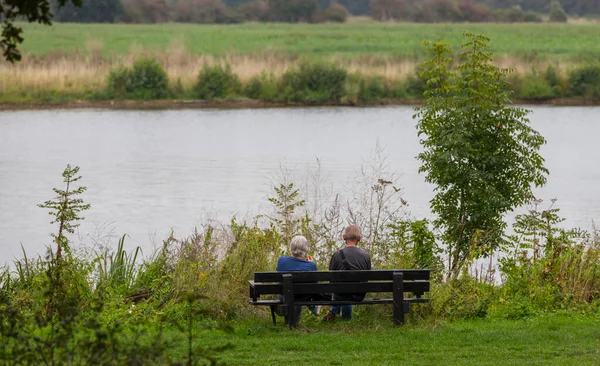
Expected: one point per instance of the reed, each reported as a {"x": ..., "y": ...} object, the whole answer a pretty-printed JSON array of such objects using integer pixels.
[{"x": 76, "y": 74}]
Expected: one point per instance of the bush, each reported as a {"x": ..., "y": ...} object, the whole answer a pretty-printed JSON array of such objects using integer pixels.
[
  {"x": 536, "y": 88},
  {"x": 558, "y": 82},
  {"x": 119, "y": 81},
  {"x": 217, "y": 82},
  {"x": 146, "y": 80},
  {"x": 371, "y": 89},
  {"x": 415, "y": 85},
  {"x": 557, "y": 13},
  {"x": 336, "y": 13},
  {"x": 314, "y": 83},
  {"x": 149, "y": 80},
  {"x": 532, "y": 17},
  {"x": 263, "y": 86},
  {"x": 585, "y": 81}
]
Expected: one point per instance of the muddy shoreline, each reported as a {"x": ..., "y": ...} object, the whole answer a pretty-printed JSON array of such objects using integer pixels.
[{"x": 247, "y": 104}]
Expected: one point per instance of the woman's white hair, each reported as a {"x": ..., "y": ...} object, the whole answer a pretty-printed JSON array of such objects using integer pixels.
[{"x": 299, "y": 246}]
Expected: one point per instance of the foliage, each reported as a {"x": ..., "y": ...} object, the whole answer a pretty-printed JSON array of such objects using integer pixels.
[
  {"x": 216, "y": 82},
  {"x": 481, "y": 154},
  {"x": 81, "y": 317},
  {"x": 314, "y": 83},
  {"x": 65, "y": 209},
  {"x": 415, "y": 246},
  {"x": 549, "y": 267},
  {"x": 263, "y": 86},
  {"x": 292, "y": 11},
  {"x": 584, "y": 81},
  {"x": 286, "y": 202},
  {"x": 97, "y": 11},
  {"x": 204, "y": 12},
  {"x": 557, "y": 13},
  {"x": 537, "y": 88},
  {"x": 371, "y": 89},
  {"x": 146, "y": 80},
  {"x": 32, "y": 11},
  {"x": 336, "y": 13},
  {"x": 532, "y": 17}
]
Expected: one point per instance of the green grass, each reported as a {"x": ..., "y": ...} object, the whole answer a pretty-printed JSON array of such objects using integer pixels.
[
  {"x": 554, "y": 340},
  {"x": 527, "y": 41}
]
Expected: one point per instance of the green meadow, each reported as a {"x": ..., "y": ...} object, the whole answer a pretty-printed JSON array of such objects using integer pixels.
[
  {"x": 525, "y": 41},
  {"x": 552, "y": 340}
]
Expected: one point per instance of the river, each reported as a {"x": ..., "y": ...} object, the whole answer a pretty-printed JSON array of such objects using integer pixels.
[{"x": 150, "y": 172}]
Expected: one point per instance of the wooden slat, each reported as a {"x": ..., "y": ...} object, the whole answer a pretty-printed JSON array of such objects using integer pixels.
[
  {"x": 341, "y": 276},
  {"x": 258, "y": 289},
  {"x": 367, "y": 301}
]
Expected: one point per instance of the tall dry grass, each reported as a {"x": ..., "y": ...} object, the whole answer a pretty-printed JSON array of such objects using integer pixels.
[{"x": 76, "y": 72}]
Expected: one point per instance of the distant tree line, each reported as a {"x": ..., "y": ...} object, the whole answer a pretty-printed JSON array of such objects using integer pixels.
[{"x": 315, "y": 11}]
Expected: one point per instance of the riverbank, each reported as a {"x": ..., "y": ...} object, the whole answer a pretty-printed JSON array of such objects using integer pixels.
[{"x": 250, "y": 104}]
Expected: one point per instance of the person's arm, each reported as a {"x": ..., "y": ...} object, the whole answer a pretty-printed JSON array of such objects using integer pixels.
[
  {"x": 278, "y": 268},
  {"x": 333, "y": 262}
]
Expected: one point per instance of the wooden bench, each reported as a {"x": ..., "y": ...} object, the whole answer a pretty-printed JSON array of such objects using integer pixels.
[{"x": 289, "y": 284}]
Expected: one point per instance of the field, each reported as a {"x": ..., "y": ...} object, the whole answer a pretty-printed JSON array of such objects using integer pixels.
[
  {"x": 67, "y": 62},
  {"x": 323, "y": 40},
  {"x": 537, "y": 341}
]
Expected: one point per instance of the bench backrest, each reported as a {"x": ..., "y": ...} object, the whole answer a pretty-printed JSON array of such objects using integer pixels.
[{"x": 271, "y": 283}]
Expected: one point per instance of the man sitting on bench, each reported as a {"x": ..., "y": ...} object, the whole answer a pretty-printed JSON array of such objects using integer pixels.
[{"x": 348, "y": 258}]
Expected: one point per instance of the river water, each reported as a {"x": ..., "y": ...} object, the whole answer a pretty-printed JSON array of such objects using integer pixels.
[{"x": 150, "y": 172}]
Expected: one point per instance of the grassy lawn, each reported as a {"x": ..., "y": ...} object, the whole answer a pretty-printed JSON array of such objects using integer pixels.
[
  {"x": 526, "y": 41},
  {"x": 537, "y": 341}
]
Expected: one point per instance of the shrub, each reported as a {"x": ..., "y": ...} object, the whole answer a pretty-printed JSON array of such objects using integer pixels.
[
  {"x": 263, "y": 86},
  {"x": 217, "y": 82},
  {"x": 557, "y": 81},
  {"x": 376, "y": 88},
  {"x": 536, "y": 88},
  {"x": 473, "y": 11},
  {"x": 557, "y": 13},
  {"x": 119, "y": 81},
  {"x": 585, "y": 81},
  {"x": 532, "y": 17},
  {"x": 314, "y": 83},
  {"x": 145, "y": 80},
  {"x": 415, "y": 85},
  {"x": 148, "y": 80},
  {"x": 515, "y": 14},
  {"x": 336, "y": 13},
  {"x": 371, "y": 89}
]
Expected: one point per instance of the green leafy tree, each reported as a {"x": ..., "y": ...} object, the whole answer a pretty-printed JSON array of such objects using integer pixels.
[
  {"x": 30, "y": 10},
  {"x": 480, "y": 153}
]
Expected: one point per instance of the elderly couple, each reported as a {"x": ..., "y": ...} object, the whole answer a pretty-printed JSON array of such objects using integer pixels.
[{"x": 348, "y": 258}]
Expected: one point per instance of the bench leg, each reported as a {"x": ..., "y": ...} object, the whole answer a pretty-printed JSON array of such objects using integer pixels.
[
  {"x": 398, "y": 292},
  {"x": 288, "y": 298},
  {"x": 273, "y": 314}
]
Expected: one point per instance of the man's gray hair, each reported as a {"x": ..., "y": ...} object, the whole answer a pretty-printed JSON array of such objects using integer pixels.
[
  {"x": 352, "y": 233},
  {"x": 299, "y": 246}
]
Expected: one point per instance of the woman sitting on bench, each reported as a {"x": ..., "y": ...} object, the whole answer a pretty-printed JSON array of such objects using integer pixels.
[{"x": 298, "y": 261}]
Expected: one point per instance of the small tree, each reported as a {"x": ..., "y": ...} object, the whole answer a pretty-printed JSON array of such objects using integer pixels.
[
  {"x": 481, "y": 154},
  {"x": 557, "y": 13},
  {"x": 65, "y": 209},
  {"x": 286, "y": 201}
]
